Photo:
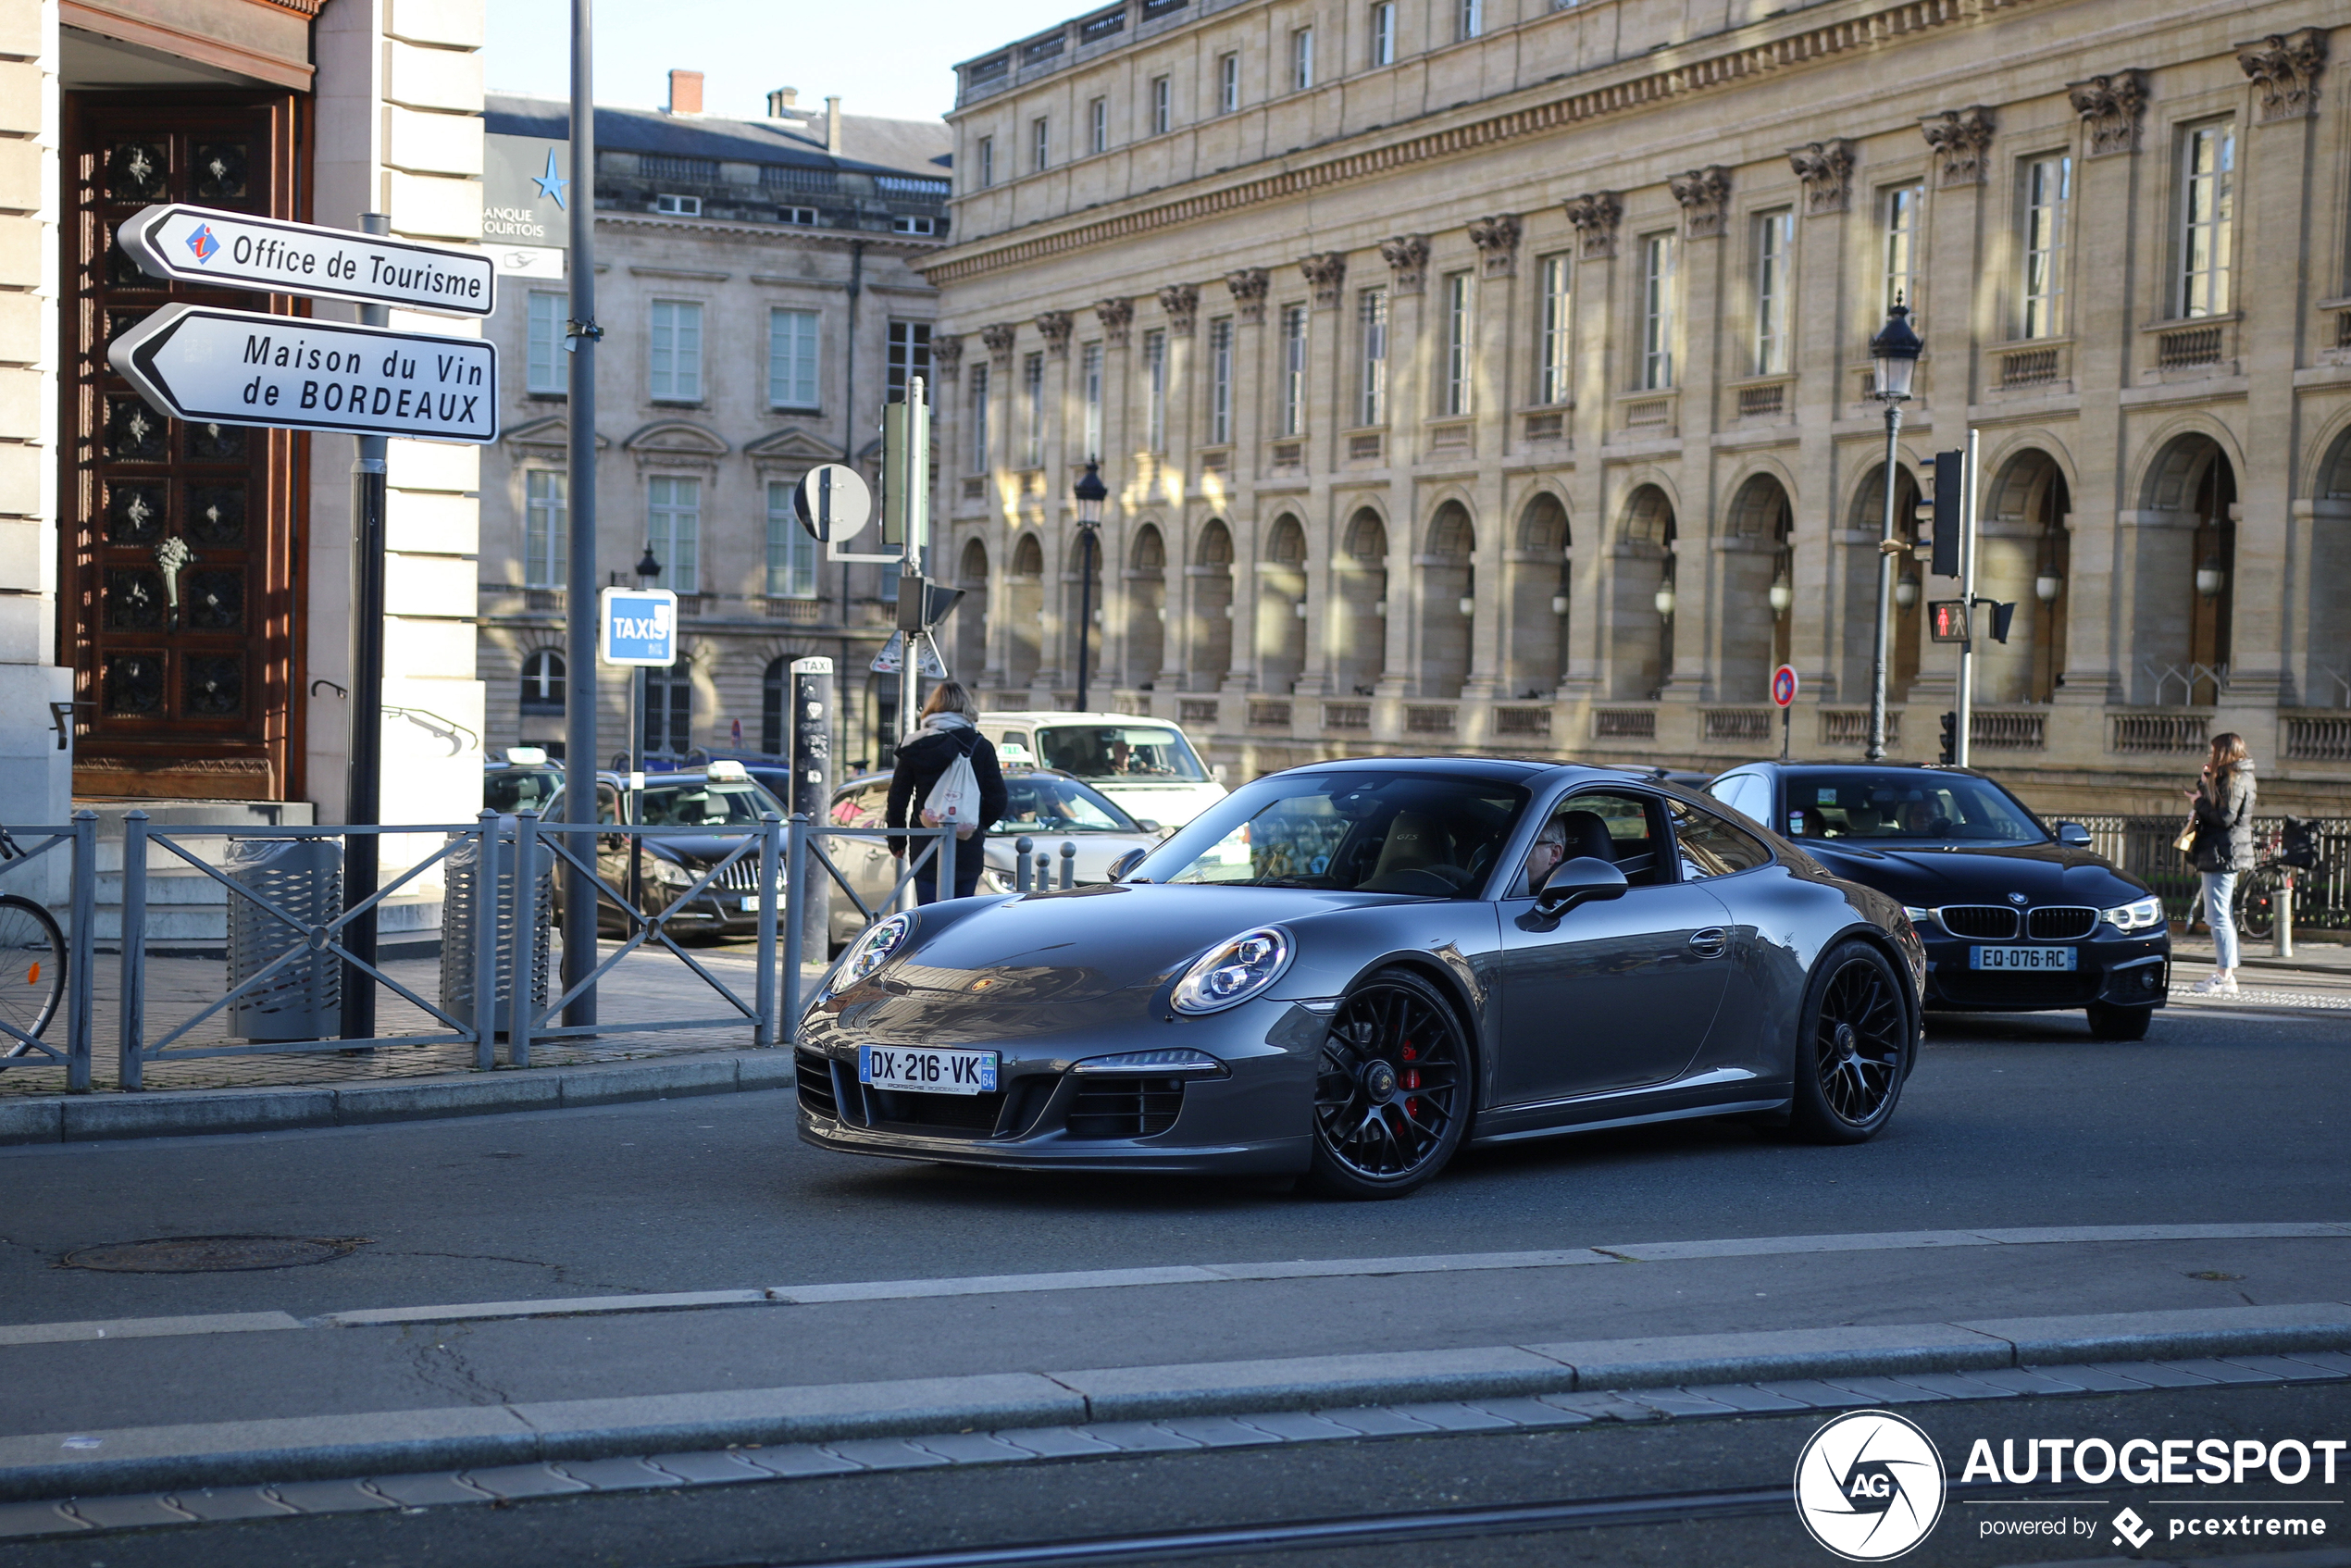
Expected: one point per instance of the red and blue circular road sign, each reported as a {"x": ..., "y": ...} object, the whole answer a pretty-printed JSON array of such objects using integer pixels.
[{"x": 1784, "y": 684}]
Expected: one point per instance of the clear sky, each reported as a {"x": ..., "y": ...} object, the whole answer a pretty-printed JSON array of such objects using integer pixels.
[{"x": 889, "y": 57}]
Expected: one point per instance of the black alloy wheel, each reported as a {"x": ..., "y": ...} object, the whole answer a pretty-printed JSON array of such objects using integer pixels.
[
  {"x": 1391, "y": 1089},
  {"x": 1854, "y": 1048}
]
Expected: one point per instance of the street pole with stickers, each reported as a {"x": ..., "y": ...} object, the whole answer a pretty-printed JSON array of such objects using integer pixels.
[{"x": 581, "y": 336}]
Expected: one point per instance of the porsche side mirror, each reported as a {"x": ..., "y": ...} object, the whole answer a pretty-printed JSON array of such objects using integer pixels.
[
  {"x": 1126, "y": 863},
  {"x": 1581, "y": 880},
  {"x": 2073, "y": 833}
]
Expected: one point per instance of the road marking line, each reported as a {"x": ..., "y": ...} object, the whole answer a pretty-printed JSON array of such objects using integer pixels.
[{"x": 1186, "y": 1274}]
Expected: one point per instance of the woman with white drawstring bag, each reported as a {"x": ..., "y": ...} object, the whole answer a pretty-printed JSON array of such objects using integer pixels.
[{"x": 946, "y": 772}]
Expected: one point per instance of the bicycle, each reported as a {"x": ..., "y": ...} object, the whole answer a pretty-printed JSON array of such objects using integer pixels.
[
  {"x": 2294, "y": 847},
  {"x": 32, "y": 966}
]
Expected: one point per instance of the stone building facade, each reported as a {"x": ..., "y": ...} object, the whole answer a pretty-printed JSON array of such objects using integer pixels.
[
  {"x": 1494, "y": 376},
  {"x": 757, "y": 291}
]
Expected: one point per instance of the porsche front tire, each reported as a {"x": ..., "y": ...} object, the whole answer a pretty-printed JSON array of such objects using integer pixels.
[{"x": 1392, "y": 1088}]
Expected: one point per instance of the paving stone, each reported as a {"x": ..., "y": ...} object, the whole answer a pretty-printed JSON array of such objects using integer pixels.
[
  {"x": 234, "y": 1502},
  {"x": 973, "y": 1447},
  {"x": 795, "y": 1459},
  {"x": 1297, "y": 1427},
  {"x": 1746, "y": 1397},
  {"x": 2220, "y": 1371},
  {"x": 1888, "y": 1390},
  {"x": 1603, "y": 1406},
  {"x": 2023, "y": 1380},
  {"x": 2334, "y": 1362},
  {"x": 1527, "y": 1412},
  {"x": 883, "y": 1453},
  {"x": 612, "y": 1474},
  {"x": 710, "y": 1468},
  {"x": 2292, "y": 1368},
  {"x": 1138, "y": 1437},
  {"x": 327, "y": 1497},
  {"x": 21, "y": 1519},
  {"x": 1808, "y": 1391},
  {"x": 1679, "y": 1402},
  {"x": 427, "y": 1490},
  {"x": 2159, "y": 1375},
  {"x": 1054, "y": 1442},
  {"x": 136, "y": 1512},
  {"x": 1217, "y": 1432},
  {"x": 1449, "y": 1415},
  {"x": 1958, "y": 1385},
  {"x": 524, "y": 1481},
  {"x": 1375, "y": 1421},
  {"x": 2108, "y": 1378}
]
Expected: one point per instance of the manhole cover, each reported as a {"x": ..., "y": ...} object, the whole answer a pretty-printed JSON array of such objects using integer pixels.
[{"x": 211, "y": 1255}]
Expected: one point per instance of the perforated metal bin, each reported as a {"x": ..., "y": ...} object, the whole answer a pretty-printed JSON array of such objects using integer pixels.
[
  {"x": 463, "y": 866},
  {"x": 303, "y": 877}
]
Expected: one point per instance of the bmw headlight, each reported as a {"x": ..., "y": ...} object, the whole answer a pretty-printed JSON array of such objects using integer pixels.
[
  {"x": 1233, "y": 972},
  {"x": 870, "y": 951},
  {"x": 2143, "y": 915},
  {"x": 1918, "y": 917}
]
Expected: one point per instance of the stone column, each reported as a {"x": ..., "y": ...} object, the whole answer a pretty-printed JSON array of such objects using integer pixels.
[
  {"x": 1595, "y": 216},
  {"x": 1493, "y": 367},
  {"x": 1705, "y": 196},
  {"x": 1408, "y": 400}
]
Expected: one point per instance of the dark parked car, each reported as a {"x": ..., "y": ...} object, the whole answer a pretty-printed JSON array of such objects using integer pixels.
[
  {"x": 1350, "y": 969},
  {"x": 2016, "y": 917},
  {"x": 720, "y": 797}
]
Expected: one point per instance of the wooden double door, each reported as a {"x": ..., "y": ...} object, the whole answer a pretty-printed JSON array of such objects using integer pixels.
[{"x": 181, "y": 607}]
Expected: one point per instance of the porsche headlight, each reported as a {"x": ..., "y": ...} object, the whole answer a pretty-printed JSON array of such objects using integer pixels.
[
  {"x": 1918, "y": 917},
  {"x": 870, "y": 951},
  {"x": 2143, "y": 915},
  {"x": 1233, "y": 972}
]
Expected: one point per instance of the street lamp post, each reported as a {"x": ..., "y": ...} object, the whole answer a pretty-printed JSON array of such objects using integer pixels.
[
  {"x": 633, "y": 754},
  {"x": 1090, "y": 493},
  {"x": 1895, "y": 351}
]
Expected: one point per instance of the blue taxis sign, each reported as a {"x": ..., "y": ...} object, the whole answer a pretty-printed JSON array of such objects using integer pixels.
[{"x": 639, "y": 626}]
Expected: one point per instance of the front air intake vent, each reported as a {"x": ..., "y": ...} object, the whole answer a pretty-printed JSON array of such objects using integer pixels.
[
  {"x": 2060, "y": 923},
  {"x": 1985, "y": 922},
  {"x": 1125, "y": 1107}
]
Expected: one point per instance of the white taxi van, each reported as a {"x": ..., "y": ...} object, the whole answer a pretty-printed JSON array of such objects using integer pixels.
[{"x": 1148, "y": 766}]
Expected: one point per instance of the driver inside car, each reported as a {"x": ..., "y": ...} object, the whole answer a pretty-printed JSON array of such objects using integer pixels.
[{"x": 1548, "y": 850}]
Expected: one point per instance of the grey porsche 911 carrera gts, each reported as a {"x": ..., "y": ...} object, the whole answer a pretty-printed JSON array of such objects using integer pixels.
[{"x": 1350, "y": 969}]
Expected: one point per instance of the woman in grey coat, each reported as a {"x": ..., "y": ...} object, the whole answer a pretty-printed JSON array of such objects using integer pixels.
[{"x": 2223, "y": 801}]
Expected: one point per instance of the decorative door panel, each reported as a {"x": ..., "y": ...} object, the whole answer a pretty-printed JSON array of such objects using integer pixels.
[{"x": 179, "y": 618}]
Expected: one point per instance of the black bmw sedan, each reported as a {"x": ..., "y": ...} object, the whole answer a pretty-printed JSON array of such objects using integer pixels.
[
  {"x": 1350, "y": 969},
  {"x": 2016, "y": 917}
]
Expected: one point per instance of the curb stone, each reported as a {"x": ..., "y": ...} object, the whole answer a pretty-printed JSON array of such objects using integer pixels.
[
  {"x": 197, "y": 1113},
  {"x": 322, "y": 1447}
]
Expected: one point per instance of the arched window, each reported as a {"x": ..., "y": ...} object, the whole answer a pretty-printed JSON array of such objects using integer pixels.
[
  {"x": 543, "y": 682},
  {"x": 1146, "y": 607},
  {"x": 1448, "y": 601},
  {"x": 1539, "y": 592},
  {"x": 1361, "y": 634},
  {"x": 669, "y": 709},
  {"x": 775, "y": 681}
]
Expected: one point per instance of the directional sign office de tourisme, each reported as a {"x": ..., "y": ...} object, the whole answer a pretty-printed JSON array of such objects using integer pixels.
[
  {"x": 236, "y": 368},
  {"x": 230, "y": 250}
]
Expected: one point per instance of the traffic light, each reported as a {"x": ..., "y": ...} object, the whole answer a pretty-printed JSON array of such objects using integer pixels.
[
  {"x": 1950, "y": 738},
  {"x": 1950, "y": 499}
]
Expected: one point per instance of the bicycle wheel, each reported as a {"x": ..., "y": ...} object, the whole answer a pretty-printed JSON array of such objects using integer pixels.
[
  {"x": 32, "y": 970},
  {"x": 2256, "y": 904}
]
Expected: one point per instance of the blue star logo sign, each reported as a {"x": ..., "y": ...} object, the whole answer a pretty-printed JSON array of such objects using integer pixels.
[{"x": 550, "y": 184}]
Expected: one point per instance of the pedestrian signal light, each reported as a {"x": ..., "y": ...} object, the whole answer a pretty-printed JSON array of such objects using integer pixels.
[{"x": 1947, "y": 620}]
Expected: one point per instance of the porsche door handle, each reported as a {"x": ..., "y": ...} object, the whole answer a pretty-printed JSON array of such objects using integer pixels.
[{"x": 1710, "y": 942}]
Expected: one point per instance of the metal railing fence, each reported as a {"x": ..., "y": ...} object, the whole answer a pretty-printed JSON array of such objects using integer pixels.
[
  {"x": 80, "y": 839},
  {"x": 2142, "y": 846}
]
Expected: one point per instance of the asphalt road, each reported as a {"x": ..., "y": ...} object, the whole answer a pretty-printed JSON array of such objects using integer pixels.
[{"x": 2007, "y": 1123}]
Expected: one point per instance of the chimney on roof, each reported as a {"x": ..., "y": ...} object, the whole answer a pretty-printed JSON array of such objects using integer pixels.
[
  {"x": 782, "y": 101},
  {"x": 832, "y": 125},
  {"x": 685, "y": 92}
]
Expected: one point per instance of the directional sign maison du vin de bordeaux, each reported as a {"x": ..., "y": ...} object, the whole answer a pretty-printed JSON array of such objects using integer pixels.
[{"x": 243, "y": 367}]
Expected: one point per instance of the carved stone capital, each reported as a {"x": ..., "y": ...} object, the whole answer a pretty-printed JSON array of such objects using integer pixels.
[
  {"x": 2109, "y": 108},
  {"x": 1407, "y": 258},
  {"x": 1000, "y": 339},
  {"x": 1326, "y": 275},
  {"x": 1181, "y": 301},
  {"x": 2284, "y": 67},
  {"x": 1595, "y": 216},
  {"x": 1826, "y": 170},
  {"x": 947, "y": 356},
  {"x": 1960, "y": 138},
  {"x": 1705, "y": 195},
  {"x": 1116, "y": 317},
  {"x": 1497, "y": 242},
  {"x": 1055, "y": 325},
  {"x": 1248, "y": 287}
]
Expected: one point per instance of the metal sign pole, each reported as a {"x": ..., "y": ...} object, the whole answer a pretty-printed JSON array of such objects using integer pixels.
[
  {"x": 580, "y": 598},
  {"x": 363, "y": 794},
  {"x": 1966, "y": 702}
]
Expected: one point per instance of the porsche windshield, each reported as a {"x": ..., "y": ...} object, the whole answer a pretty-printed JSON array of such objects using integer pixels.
[
  {"x": 1947, "y": 808},
  {"x": 1430, "y": 835}
]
